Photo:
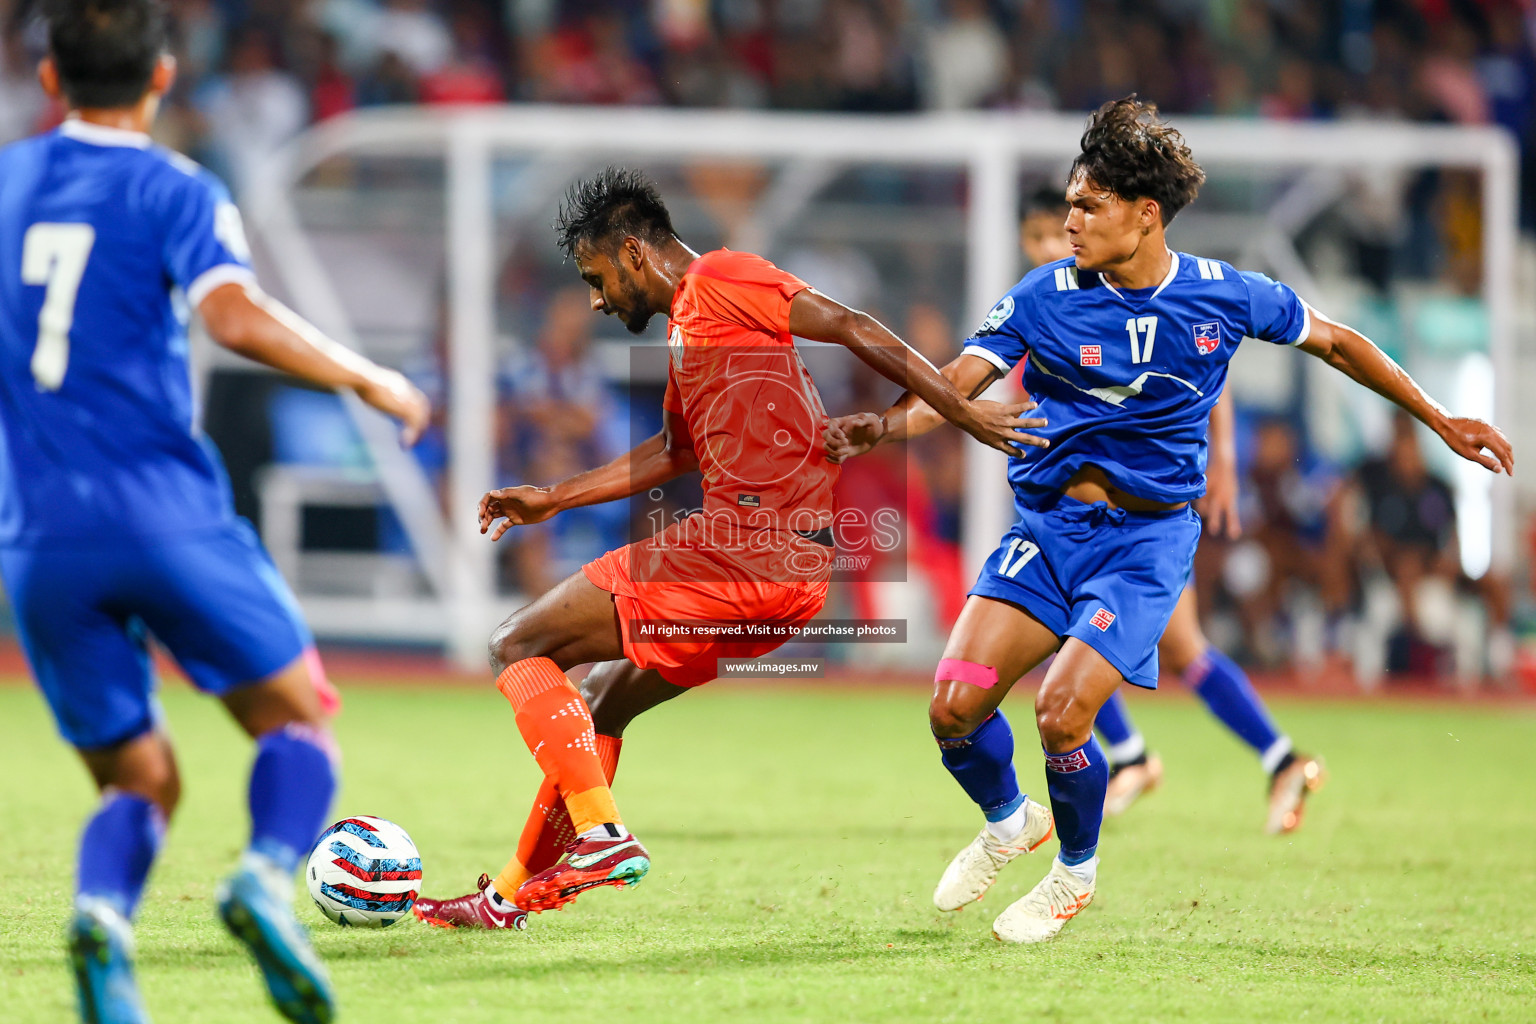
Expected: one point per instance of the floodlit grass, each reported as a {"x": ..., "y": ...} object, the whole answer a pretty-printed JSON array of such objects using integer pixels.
[{"x": 796, "y": 837}]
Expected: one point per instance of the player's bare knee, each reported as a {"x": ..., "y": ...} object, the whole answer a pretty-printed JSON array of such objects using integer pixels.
[
  {"x": 950, "y": 719},
  {"x": 1061, "y": 721},
  {"x": 155, "y": 779},
  {"x": 511, "y": 642}
]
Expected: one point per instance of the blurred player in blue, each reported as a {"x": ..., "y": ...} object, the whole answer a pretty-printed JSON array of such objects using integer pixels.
[
  {"x": 1128, "y": 344},
  {"x": 116, "y": 520},
  {"x": 1222, "y": 686}
]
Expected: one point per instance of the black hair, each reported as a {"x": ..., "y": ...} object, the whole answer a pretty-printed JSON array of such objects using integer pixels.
[
  {"x": 1045, "y": 199},
  {"x": 105, "y": 50},
  {"x": 613, "y": 204},
  {"x": 1130, "y": 151}
]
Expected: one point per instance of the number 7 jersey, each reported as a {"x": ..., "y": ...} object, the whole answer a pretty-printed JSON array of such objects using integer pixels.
[
  {"x": 1127, "y": 377},
  {"x": 105, "y": 241}
]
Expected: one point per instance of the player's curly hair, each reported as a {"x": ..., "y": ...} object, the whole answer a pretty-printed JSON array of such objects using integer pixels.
[
  {"x": 105, "y": 50},
  {"x": 1130, "y": 151},
  {"x": 615, "y": 203}
]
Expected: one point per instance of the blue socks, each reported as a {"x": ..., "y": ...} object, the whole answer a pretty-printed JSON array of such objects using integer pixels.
[
  {"x": 1077, "y": 780},
  {"x": 1113, "y": 722},
  {"x": 982, "y": 763},
  {"x": 118, "y": 848},
  {"x": 292, "y": 783},
  {"x": 1226, "y": 691}
]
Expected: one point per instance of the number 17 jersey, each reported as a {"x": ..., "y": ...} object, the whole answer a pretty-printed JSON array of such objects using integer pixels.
[
  {"x": 102, "y": 237},
  {"x": 1127, "y": 377}
]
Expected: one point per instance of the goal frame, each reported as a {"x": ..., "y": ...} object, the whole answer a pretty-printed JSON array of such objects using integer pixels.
[{"x": 991, "y": 147}]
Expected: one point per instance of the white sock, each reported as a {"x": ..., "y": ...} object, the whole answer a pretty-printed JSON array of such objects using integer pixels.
[
  {"x": 1010, "y": 827},
  {"x": 1272, "y": 757},
  {"x": 498, "y": 902},
  {"x": 1127, "y": 750},
  {"x": 1087, "y": 871},
  {"x": 609, "y": 831}
]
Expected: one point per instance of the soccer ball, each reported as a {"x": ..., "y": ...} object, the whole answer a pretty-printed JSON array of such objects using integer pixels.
[{"x": 364, "y": 871}]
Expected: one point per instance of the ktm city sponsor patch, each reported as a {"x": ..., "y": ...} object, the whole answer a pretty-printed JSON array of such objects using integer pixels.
[
  {"x": 1090, "y": 355},
  {"x": 1207, "y": 337},
  {"x": 1102, "y": 618},
  {"x": 1073, "y": 762}
]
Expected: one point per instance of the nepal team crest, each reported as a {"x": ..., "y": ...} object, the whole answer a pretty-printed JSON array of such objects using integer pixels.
[{"x": 1207, "y": 337}]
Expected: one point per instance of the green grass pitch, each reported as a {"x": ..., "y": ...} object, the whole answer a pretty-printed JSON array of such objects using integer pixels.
[{"x": 796, "y": 837}]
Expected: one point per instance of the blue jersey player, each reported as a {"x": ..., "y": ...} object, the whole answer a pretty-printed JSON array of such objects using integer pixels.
[
  {"x": 1216, "y": 679},
  {"x": 116, "y": 520},
  {"x": 1127, "y": 346}
]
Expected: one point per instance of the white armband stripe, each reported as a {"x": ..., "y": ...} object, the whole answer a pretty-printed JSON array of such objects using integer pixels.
[
  {"x": 987, "y": 354},
  {"x": 1306, "y": 324},
  {"x": 214, "y": 277}
]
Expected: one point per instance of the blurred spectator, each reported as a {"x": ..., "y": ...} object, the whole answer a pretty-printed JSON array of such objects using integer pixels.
[
  {"x": 412, "y": 31},
  {"x": 331, "y": 89},
  {"x": 22, "y": 103},
  {"x": 1408, "y": 537},
  {"x": 1288, "y": 558},
  {"x": 388, "y": 82},
  {"x": 558, "y": 392},
  {"x": 557, "y": 418},
  {"x": 965, "y": 57},
  {"x": 251, "y": 109}
]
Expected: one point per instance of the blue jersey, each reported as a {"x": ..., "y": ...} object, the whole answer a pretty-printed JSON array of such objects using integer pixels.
[
  {"x": 1127, "y": 377},
  {"x": 105, "y": 241}
]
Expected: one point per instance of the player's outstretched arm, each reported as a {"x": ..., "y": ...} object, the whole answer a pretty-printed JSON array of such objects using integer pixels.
[
  {"x": 653, "y": 462},
  {"x": 910, "y": 416},
  {"x": 256, "y": 326},
  {"x": 1354, "y": 354},
  {"x": 815, "y": 317}
]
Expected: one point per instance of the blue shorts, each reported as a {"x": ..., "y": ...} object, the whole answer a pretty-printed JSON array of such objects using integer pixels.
[
  {"x": 1109, "y": 577},
  {"x": 212, "y": 598}
]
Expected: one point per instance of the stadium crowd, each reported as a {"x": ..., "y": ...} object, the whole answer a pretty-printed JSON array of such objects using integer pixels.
[{"x": 254, "y": 72}]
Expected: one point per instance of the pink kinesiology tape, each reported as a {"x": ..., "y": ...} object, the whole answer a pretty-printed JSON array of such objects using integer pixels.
[{"x": 984, "y": 676}]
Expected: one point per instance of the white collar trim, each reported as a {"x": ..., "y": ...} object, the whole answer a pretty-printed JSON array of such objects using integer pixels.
[
  {"x": 1173, "y": 271},
  {"x": 103, "y": 135}
]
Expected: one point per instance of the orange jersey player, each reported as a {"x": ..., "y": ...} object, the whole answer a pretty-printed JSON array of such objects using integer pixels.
[{"x": 731, "y": 580}]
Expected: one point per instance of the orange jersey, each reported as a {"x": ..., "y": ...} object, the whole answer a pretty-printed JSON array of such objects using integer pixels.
[{"x": 751, "y": 406}]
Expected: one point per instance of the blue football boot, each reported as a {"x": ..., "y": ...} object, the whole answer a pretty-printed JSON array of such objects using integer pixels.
[
  {"x": 101, "y": 953},
  {"x": 256, "y": 905}
]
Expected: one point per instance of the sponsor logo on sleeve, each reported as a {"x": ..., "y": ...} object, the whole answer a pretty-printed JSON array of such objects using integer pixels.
[
  {"x": 1102, "y": 619},
  {"x": 1090, "y": 355},
  {"x": 748, "y": 500},
  {"x": 1207, "y": 337}
]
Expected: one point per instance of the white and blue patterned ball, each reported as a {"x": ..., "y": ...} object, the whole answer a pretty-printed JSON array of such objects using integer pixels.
[{"x": 364, "y": 871}]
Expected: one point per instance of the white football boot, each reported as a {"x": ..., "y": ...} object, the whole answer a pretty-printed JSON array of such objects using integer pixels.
[
  {"x": 1288, "y": 792},
  {"x": 975, "y": 868},
  {"x": 1129, "y": 783},
  {"x": 1058, "y": 898}
]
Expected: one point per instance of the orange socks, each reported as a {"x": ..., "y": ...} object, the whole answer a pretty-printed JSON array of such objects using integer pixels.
[
  {"x": 557, "y": 726},
  {"x": 549, "y": 829}
]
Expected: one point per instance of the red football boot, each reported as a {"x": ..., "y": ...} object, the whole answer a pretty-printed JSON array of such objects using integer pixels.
[
  {"x": 586, "y": 864},
  {"x": 472, "y": 911}
]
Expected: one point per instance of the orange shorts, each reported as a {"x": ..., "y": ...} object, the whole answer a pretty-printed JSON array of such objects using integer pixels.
[{"x": 682, "y": 582}]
